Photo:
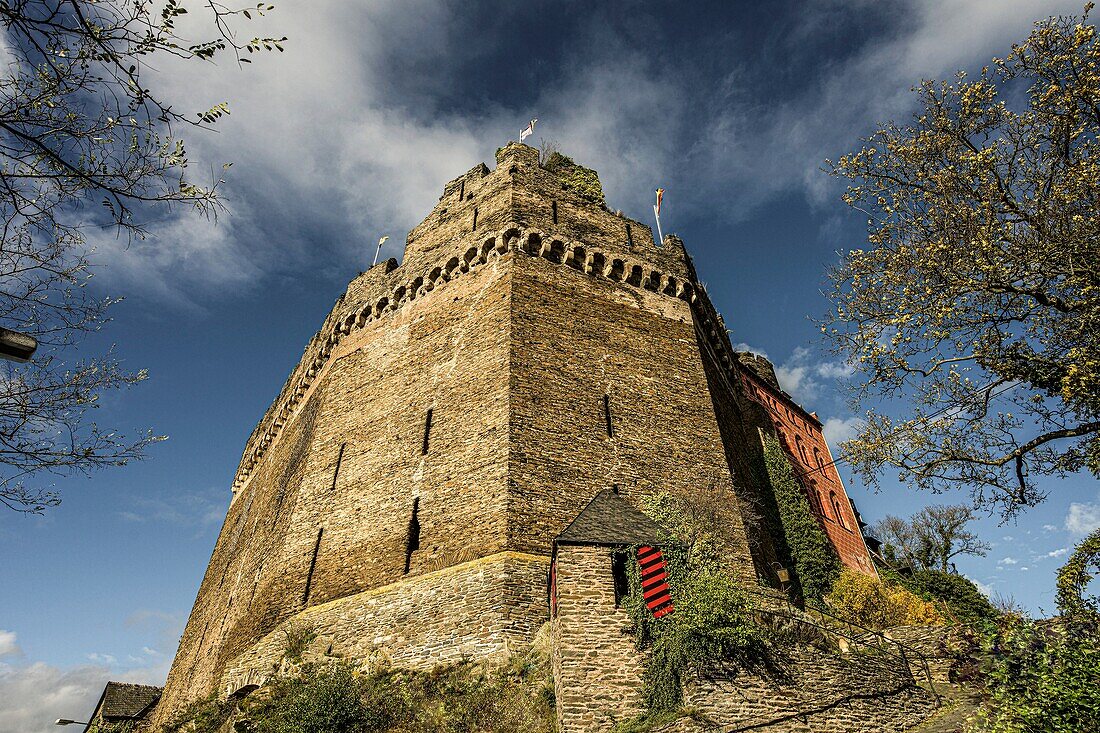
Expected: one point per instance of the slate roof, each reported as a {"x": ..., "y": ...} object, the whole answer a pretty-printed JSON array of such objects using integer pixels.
[
  {"x": 609, "y": 519},
  {"x": 122, "y": 700}
]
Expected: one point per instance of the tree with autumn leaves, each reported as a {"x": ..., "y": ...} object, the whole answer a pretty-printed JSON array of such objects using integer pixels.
[{"x": 974, "y": 313}]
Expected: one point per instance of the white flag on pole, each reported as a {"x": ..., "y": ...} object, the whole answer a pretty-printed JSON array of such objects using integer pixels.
[
  {"x": 528, "y": 131},
  {"x": 657, "y": 214},
  {"x": 380, "y": 243}
]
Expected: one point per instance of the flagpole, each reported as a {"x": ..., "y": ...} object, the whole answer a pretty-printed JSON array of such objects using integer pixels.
[
  {"x": 660, "y": 237},
  {"x": 380, "y": 243}
]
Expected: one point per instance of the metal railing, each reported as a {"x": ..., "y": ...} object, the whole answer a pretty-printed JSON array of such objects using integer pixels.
[{"x": 834, "y": 625}]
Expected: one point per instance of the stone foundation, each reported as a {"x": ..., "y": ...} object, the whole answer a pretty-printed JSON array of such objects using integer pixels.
[
  {"x": 824, "y": 692},
  {"x": 476, "y": 610}
]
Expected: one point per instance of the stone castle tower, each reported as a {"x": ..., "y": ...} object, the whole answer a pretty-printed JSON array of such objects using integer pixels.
[{"x": 454, "y": 414}]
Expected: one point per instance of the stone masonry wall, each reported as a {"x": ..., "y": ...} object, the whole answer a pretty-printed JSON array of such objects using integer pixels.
[
  {"x": 519, "y": 192},
  {"x": 575, "y": 340},
  {"x": 861, "y": 692},
  {"x": 738, "y": 419},
  {"x": 941, "y": 648},
  {"x": 475, "y": 610},
  {"x": 326, "y": 511},
  {"x": 597, "y": 670}
]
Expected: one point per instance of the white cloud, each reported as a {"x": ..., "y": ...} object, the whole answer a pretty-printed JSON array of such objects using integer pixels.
[
  {"x": 8, "y": 645},
  {"x": 771, "y": 147},
  {"x": 802, "y": 373},
  {"x": 837, "y": 430},
  {"x": 335, "y": 142},
  {"x": 801, "y": 377},
  {"x": 742, "y": 346},
  {"x": 986, "y": 589},
  {"x": 33, "y": 696},
  {"x": 796, "y": 376},
  {"x": 185, "y": 258},
  {"x": 105, "y": 659},
  {"x": 835, "y": 370},
  {"x": 1008, "y": 561},
  {"x": 1083, "y": 518}
]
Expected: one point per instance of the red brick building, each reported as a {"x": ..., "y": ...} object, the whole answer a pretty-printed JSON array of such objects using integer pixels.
[{"x": 800, "y": 433}]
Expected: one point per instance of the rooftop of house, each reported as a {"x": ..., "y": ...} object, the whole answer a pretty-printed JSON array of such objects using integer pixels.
[
  {"x": 609, "y": 519},
  {"x": 126, "y": 701}
]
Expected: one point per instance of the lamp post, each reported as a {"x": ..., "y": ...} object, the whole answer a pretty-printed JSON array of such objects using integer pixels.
[
  {"x": 782, "y": 573},
  {"x": 16, "y": 346}
]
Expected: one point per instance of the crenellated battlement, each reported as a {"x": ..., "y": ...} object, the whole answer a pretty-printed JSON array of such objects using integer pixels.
[
  {"x": 520, "y": 192},
  {"x": 385, "y": 289},
  {"x": 518, "y": 206}
]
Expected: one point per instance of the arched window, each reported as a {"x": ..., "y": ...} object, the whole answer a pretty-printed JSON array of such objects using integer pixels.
[
  {"x": 801, "y": 448},
  {"x": 819, "y": 460},
  {"x": 815, "y": 499},
  {"x": 835, "y": 503}
]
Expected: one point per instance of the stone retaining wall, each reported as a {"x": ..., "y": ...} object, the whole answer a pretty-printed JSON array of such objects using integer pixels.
[
  {"x": 824, "y": 692},
  {"x": 477, "y": 610}
]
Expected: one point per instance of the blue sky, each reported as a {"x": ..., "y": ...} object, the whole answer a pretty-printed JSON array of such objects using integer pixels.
[{"x": 349, "y": 135}]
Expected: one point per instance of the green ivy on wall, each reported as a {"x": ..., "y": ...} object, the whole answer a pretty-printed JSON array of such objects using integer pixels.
[
  {"x": 816, "y": 565},
  {"x": 712, "y": 621}
]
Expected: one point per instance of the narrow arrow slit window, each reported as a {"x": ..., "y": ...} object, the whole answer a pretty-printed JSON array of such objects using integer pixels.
[
  {"x": 412, "y": 544},
  {"x": 312, "y": 566},
  {"x": 427, "y": 432},
  {"x": 336, "y": 471}
]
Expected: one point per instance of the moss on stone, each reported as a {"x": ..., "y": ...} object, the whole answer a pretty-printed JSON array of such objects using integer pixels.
[{"x": 585, "y": 182}]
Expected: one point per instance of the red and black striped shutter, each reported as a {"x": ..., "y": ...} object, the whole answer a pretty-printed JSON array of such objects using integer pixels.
[{"x": 655, "y": 590}]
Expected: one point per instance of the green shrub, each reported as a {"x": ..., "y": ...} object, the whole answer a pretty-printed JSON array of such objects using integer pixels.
[
  {"x": 1042, "y": 676},
  {"x": 868, "y": 602},
  {"x": 298, "y": 636},
  {"x": 467, "y": 698},
  {"x": 320, "y": 699},
  {"x": 336, "y": 698},
  {"x": 207, "y": 715},
  {"x": 712, "y": 621},
  {"x": 1074, "y": 576},
  {"x": 959, "y": 594},
  {"x": 816, "y": 565},
  {"x": 1045, "y": 675}
]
